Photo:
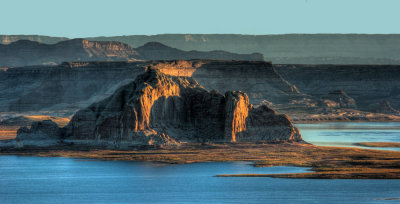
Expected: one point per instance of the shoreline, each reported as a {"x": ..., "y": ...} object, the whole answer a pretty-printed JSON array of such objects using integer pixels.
[
  {"x": 377, "y": 144},
  {"x": 306, "y": 121},
  {"x": 325, "y": 162}
]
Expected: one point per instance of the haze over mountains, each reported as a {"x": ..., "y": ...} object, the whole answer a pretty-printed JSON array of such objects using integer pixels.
[
  {"x": 26, "y": 52},
  {"x": 280, "y": 49}
]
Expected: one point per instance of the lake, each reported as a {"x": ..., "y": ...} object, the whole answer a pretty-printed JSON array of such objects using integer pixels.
[
  {"x": 66, "y": 180},
  {"x": 345, "y": 134}
]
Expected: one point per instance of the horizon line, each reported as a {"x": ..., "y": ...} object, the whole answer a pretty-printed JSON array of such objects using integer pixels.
[{"x": 201, "y": 34}]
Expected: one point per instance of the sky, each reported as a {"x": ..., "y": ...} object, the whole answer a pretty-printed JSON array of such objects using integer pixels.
[{"x": 91, "y": 18}]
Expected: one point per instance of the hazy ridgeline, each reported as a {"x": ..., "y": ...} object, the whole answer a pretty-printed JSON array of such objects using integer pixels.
[{"x": 290, "y": 48}]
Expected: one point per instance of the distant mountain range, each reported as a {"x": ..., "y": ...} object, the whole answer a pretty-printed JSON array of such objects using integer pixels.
[
  {"x": 158, "y": 51},
  {"x": 26, "y": 52},
  {"x": 280, "y": 49}
]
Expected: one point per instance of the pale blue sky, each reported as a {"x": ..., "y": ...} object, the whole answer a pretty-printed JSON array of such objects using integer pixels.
[{"x": 89, "y": 18}]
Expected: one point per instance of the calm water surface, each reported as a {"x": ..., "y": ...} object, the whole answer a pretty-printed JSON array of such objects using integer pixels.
[
  {"x": 65, "y": 180},
  {"x": 346, "y": 134}
]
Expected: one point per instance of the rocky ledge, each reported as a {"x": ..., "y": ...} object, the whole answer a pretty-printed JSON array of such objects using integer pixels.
[{"x": 160, "y": 109}]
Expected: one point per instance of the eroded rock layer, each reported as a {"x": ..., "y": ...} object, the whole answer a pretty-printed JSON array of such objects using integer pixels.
[
  {"x": 161, "y": 109},
  {"x": 366, "y": 84},
  {"x": 75, "y": 85}
]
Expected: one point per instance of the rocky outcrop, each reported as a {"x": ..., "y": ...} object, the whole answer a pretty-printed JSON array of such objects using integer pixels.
[
  {"x": 384, "y": 107},
  {"x": 158, "y": 51},
  {"x": 163, "y": 109},
  {"x": 29, "y": 119},
  {"x": 42, "y": 133},
  {"x": 338, "y": 99}
]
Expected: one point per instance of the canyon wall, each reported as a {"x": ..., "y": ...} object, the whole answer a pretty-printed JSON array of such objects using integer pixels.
[
  {"x": 76, "y": 85},
  {"x": 66, "y": 88},
  {"x": 367, "y": 84},
  {"x": 69, "y": 86}
]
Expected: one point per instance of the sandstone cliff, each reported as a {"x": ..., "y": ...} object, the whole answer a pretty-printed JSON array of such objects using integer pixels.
[
  {"x": 258, "y": 79},
  {"x": 163, "y": 109}
]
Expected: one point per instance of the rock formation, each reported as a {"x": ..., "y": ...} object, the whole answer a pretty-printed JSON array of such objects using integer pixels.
[
  {"x": 41, "y": 133},
  {"x": 161, "y": 109},
  {"x": 384, "y": 107},
  {"x": 338, "y": 99}
]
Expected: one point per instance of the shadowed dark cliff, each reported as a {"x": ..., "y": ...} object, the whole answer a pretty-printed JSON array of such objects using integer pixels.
[
  {"x": 76, "y": 85},
  {"x": 366, "y": 84},
  {"x": 323, "y": 89}
]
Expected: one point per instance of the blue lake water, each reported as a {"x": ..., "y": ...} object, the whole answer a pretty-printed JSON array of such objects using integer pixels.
[
  {"x": 346, "y": 134},
  {"x": 66, "y": 180}
]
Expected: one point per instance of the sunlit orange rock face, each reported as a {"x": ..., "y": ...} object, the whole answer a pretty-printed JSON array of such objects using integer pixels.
[
  {"x": 237, "y": 110},
  {"x": 162, "y": 109}
]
